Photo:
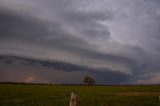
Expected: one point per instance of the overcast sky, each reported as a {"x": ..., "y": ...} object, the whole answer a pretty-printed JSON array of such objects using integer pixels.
[{"x": 119, "y": 40}]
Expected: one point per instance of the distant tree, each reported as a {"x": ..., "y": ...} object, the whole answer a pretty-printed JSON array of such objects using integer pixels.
[{"x": 88, "y": 80}]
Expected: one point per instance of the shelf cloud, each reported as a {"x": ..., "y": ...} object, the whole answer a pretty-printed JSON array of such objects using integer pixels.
[{"x": 118, "y": 41}]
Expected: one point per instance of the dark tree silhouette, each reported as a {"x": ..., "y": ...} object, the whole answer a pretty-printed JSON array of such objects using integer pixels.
[{"x": 88, "y": 80}]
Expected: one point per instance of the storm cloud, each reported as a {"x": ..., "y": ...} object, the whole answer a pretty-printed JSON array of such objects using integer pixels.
[{"x": 117, "y": 39}]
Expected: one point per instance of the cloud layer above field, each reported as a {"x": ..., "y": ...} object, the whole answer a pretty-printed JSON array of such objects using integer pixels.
[{"x": 120, "y": 36}]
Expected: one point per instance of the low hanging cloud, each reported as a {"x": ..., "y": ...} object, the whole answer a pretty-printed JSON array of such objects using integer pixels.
[
  {"x": 120, "y": 36},
  {"x": 43, "y": 71}
]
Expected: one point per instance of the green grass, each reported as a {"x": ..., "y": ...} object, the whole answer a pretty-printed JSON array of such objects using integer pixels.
[{"x": 46, "y": 95}]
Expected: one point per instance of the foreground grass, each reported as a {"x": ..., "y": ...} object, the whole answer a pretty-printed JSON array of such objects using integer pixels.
[{"x": 46, "y": 95}]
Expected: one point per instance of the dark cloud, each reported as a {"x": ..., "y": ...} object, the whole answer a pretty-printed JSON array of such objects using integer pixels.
[
  {"x": 48, "y": 63},
  {"x": 119, "y": 38},
  {"x": 60, "y": 39},
  {"x": 18, "y": 27},
  {"x": 32, "y": 70}
]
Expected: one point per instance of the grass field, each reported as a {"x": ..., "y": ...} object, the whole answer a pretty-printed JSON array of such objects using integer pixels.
[{"x": 47, "y": 95}]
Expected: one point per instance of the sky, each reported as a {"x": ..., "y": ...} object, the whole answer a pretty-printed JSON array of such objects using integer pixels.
[{"x": 61, "y": 41}]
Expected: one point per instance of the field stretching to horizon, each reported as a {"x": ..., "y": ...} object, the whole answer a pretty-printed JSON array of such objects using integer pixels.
[{"x": 55, "y": 95}]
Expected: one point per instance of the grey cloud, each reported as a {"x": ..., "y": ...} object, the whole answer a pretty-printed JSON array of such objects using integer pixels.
[
  {"x": 76, "y": 32},
  {"x": 18, "y": 27},
  {"x": 87, "y": 23},
  {"x": 49, "y": 63},
  {"x": 62, "y": 40},
  {"x": 44, "y": 75},
  {"x": 47, "y": 71},
  {"x": 31, "y": 27},
  {"x": 112, "y": 78}
]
